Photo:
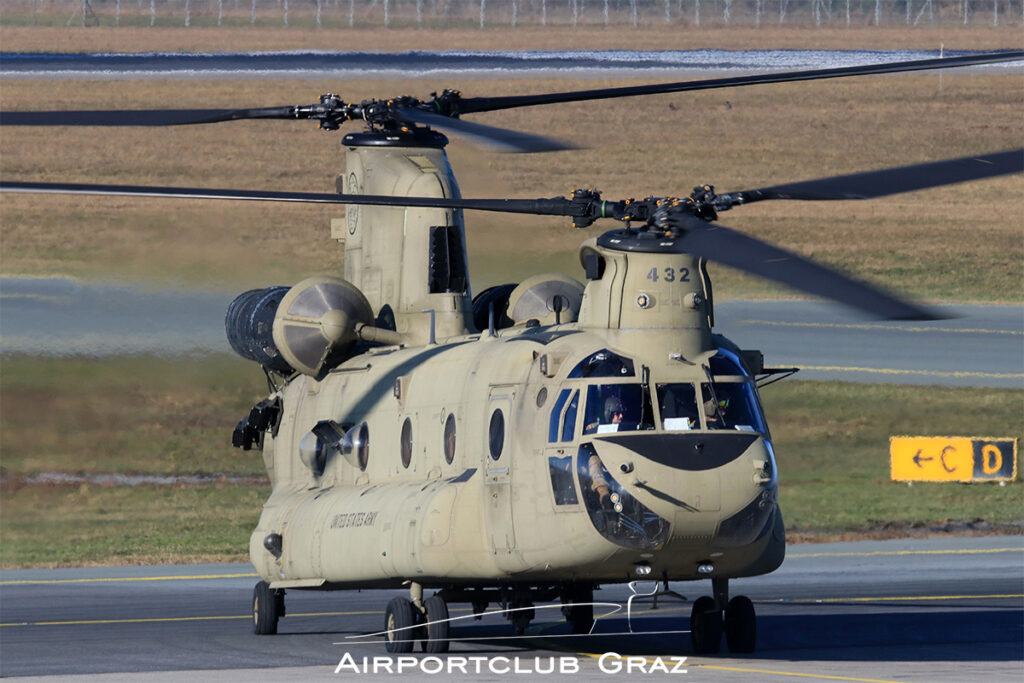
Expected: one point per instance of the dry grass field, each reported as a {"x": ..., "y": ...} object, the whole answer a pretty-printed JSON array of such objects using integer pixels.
[{"x": 682, "y": 34}]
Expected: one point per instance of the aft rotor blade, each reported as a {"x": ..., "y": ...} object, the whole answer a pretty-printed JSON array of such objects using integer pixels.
[
  {"x": 889, "y": 181},
  {"x": 731, "y": 248},
  {"x": 479, "y": 104},
  {"x": 496, "y": 138},
  {"x": 557, "y": 206},
  {"x": 140, "y": 117}
]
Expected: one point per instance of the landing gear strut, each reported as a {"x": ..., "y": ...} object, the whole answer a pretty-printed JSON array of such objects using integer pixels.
[
  {"x": 707, "y": 624},
  {"x": 578, "y": 608}
]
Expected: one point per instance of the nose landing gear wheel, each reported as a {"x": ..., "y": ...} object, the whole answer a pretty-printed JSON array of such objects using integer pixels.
[
  {"x": 436, "y": 640},
  {"x": 705, "y": 626},
  {"x": 267, "y": 608},
  {"x": 398, "y": 618},
  {"x": 740, "y": 625}
]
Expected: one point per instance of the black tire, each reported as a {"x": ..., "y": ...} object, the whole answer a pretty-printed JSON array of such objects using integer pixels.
[
  {"x": 740, "y": 625},
  {"x": 267, "y": 605},
  {"x": 436, "y": 640},
  {"x": 580, "y": 616},
  {"x": 398, "y": 618},
  {"x": 705, "y": 626}
]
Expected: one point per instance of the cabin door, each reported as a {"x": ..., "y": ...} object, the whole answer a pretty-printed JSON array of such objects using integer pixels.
[{"x": 497, "y": 467}]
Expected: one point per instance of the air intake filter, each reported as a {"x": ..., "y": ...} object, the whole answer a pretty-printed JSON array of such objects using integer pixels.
[{"x": 316, "y": 320}]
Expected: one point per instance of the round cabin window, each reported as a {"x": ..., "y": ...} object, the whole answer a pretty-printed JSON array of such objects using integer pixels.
[
  {"x": 496, "y": 433},
  {"x": 542, "y": 396},
  {"x": 406, "y": 442},
  {"x": 449, "y": 438},
  {"x": 363, "y": 450}
]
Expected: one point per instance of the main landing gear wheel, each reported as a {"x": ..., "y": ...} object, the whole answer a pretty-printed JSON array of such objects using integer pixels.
[
  {"x": 578, "y": 609},
  {"x": 705, "y": 626},
  {"x": 437, "y": 628},
  {"x": 740, "y": 625},
  {"x": 398, "y": 619},
  {"x": 267, "y": 608},
  {"x": 521, "y": 616}
]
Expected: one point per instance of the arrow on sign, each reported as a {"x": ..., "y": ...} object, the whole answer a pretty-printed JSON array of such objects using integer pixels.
[{"x": 917, "y": 459}]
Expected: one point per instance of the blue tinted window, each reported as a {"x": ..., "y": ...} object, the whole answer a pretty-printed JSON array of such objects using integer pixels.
[
  {"x": 604, "y": 363},
  {"x": 556, "y": 414},
  {"x": 726, "y": 363},
  {"x": 570, "y": 417}
]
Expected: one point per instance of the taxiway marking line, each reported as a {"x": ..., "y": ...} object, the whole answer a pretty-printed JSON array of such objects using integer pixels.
[
  {"x": 898, "y": 371},
  {"x": 874, "y": 553},
  {"x": 147, "y": 620},
  {"x": 115, "y": 579},
  {"x": 891, "y": 328},
  {"x": 907, "y": 598},
  {"x": 690, "y": 665},
  {"x": 796, "y": 674}
]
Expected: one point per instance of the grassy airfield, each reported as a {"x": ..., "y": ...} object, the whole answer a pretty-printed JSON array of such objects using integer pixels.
[{"x": 174, "y": 416}]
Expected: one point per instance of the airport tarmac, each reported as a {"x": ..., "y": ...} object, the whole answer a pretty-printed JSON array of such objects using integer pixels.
[{"x": 926, "y": 609}]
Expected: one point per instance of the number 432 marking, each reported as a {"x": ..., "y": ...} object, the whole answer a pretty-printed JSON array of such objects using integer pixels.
[{"x": 670, "y": 274}]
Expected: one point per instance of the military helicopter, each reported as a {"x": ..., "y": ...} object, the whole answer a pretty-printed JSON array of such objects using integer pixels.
[{"x": 539, "y": 439}]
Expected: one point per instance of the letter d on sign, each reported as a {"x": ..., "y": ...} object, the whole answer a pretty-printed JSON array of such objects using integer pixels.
[{"x": 994, "y": 459}]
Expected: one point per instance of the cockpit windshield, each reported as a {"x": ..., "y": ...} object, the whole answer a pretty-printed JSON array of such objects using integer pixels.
[
  {"x": 733, "y": 405},
  {"x": 678, "y": 405},
  {"x": 617, "y": 408},
  {"x": 730, "y": 401}
]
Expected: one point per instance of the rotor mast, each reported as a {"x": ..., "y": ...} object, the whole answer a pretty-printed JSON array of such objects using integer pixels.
[{"x": 410, "y": 262}]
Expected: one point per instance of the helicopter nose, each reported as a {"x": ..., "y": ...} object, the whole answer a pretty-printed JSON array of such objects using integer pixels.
[{"x": 694, "y": 480}]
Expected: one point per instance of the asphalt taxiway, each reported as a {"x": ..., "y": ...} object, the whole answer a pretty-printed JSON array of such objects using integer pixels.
[{"x": 908, "y": 609}]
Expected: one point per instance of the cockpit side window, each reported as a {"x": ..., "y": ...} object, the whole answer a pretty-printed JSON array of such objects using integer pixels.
[
  {"x": 603, "y": 363},
  {"x": 569, "y": 428},
  {"x": 617, "y": 408},
  {"x": 556, "y": 415},
  {"x": 678, "y": 405}
]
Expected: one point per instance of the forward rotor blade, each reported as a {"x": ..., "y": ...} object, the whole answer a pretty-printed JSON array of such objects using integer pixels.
[
  {"x": 140, "y": 117},
  {"x": 558, "y": 206},
  {"x": 726, "y": 246},
  {"x": 480, "y": 104},
  {"x": 496, "y": 138},
  {"x": 889, "y": 181}
]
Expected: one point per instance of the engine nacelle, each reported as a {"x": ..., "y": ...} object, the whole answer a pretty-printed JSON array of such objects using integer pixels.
[
  {"x": 316, "y": 322},
  {"x": 306, "y": 328},
  {"x": 249, "y": 326}
]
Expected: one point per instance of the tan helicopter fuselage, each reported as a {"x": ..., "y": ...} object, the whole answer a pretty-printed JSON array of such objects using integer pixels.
[{"x": 489, "y": 458}]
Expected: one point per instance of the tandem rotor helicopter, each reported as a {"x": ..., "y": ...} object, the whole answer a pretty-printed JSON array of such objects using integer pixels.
[{"x": 538, "y": 439}]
